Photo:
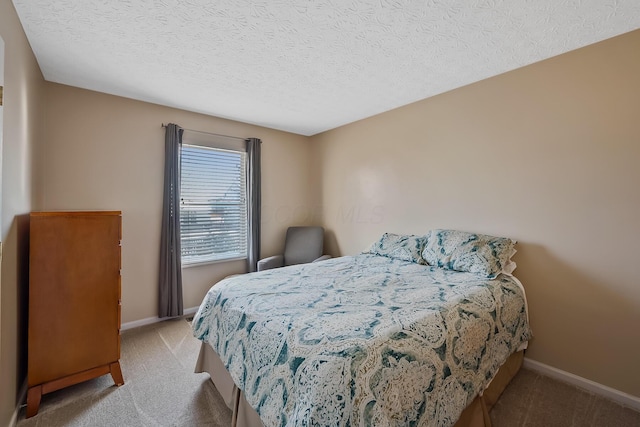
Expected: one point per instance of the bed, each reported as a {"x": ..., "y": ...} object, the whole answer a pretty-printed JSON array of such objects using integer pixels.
[{"x": 380, "y": 338}]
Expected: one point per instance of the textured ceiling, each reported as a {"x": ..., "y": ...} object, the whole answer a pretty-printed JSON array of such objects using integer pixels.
[{"x": 299, "y": 65}]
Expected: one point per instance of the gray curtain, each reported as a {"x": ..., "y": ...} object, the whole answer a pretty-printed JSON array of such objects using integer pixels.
[
  {"x": 254, "y": 201},
  {"x": 170, "y": 285}
]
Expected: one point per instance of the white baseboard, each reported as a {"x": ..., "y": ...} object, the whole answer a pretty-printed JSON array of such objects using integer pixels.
[
  {"x": 618, "y": 396},
  {"x": 156, "y": 319},
  {"x": 22, "y": 395}
]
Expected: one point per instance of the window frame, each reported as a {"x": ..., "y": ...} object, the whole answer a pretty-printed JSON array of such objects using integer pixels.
[{"x": 230, "y": 144}]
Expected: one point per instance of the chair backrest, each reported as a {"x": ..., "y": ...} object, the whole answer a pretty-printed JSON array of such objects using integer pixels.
[{"x": 303, "y": 244}]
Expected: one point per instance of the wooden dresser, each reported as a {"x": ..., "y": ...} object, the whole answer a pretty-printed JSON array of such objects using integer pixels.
[{"x": 74, "y": 300}]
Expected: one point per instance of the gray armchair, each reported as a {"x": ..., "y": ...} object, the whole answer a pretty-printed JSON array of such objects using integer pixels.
[{"x": 302, "y": 245}]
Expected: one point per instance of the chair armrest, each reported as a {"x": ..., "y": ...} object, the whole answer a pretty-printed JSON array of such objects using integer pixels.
[
  {"x": 271, "y": 262},
  {"x": 322, "y": 258}
]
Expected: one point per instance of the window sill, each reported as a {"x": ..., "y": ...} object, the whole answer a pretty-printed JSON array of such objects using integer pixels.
[{"x": 215, "y": 261}]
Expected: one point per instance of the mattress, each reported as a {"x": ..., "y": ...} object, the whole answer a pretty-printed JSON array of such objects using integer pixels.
[{"x": 362, "y": 340}]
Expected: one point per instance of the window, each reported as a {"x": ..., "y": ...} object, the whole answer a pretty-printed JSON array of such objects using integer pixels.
[{"x": 213, "y": 204}]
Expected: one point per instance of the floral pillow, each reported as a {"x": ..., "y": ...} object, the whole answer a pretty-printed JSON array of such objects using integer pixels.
[
  {"x": 470, "y": 252},
  {"x": 402, "y": 247}
]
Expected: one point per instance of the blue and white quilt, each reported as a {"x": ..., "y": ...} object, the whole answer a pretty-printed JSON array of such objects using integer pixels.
[{"x": 364, "y": 340}]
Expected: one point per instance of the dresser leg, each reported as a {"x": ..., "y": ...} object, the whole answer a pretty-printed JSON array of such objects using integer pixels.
[
  {"x": 116, "y": 373},
  {"x": 33, "y": 400}
]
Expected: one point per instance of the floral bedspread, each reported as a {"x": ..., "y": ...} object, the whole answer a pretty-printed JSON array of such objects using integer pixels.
[{"x": 362, "y": 341}]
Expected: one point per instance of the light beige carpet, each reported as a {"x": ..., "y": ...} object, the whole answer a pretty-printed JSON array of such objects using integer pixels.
[
  {"x": 536, "y": 400},
  {"x": 161, "y": 390}
]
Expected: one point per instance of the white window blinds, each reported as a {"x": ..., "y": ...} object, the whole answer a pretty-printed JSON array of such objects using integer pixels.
[{"x": 213, "y": 204}]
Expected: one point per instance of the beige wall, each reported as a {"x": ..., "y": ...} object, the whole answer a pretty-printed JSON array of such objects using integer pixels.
[
  {"x": 23, "y": 87},
  {"x": 107, "y": 152},
  {"x": 548, "y": 155}
]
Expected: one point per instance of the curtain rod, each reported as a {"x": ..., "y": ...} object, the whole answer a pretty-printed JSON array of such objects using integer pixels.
[{"x": 209, "y": 133}]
